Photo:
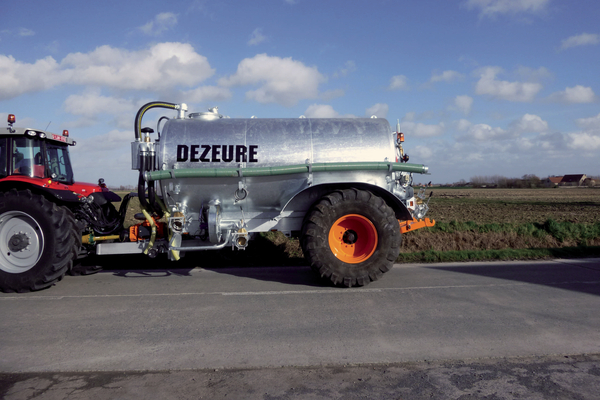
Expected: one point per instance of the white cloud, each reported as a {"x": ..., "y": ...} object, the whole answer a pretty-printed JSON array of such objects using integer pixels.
[
  {"x": 583, "y": 141},
  {"x": 162, "y": 68},
  {"x": 159, "y": 68},
  {"x": 484, "y": 132},
  {"x": 280, "y": 80},
  {"x": 379, "y": 110},
  {"x": 592, "y": 123},
  {"x": 398, "y": 82},
  {"x": 161, "y": 23},
  {"x": 577, "y": 94},
  {"x": 324, "y": 111},
  {"x": 491, "y": 8},
  {"x": 26, "y": 32},
  {"x": 463, "y": 125},
  {"x": 256, "y": 37},
  {"x": 585, "y": 39},
  {"x": 533, "y": 75},
  {"x": 113, "y": 140},
  {"x": 92, "y": 103},
  {"x": 419, "y": 129},
  {"x": 463, "y": 104},
  {"x": 91, "y": 106},
  {"x": 421, "y": 153},
  {"x": 529, "y": 123},
  {"x": 349, "y": 66},
  {"x": 524, "y": 144},
  {"x": 19, "y": 78},
  {"x": 111, "y": 151},
  {"x": 511, "y": 91},
  {"x": 446, "y": 76},
  {"x": 332, "y": 94},
  {"x": 206, "y": 93}
]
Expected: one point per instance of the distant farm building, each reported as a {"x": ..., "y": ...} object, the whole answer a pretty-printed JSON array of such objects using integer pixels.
[
  {"x": 569, "y": 180},
  {"x": 573, "y": 180}
]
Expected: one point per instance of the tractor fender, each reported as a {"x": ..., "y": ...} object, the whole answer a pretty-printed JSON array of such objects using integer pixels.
[{"x": 61, "y": 196}]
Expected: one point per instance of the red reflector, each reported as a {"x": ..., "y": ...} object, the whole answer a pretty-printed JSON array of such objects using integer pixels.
[
  {"x": 66, "y": 133},
  {"x": 11, "y": 118}
]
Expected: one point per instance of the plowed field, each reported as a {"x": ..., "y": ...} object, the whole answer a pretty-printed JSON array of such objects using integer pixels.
[{"x": 579, "y": 205}]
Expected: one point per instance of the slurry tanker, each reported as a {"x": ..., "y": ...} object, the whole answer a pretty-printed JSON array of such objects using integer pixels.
[{"x": 208, "y": 182}]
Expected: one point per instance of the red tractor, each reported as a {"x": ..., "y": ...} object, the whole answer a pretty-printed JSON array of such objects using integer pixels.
[{"x": 44, "y": 212}]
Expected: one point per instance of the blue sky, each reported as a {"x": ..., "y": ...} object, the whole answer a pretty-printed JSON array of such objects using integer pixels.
[{"x": 481, "y": 87}]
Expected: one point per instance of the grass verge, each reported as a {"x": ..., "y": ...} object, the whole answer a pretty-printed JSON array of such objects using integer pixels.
[{"x": 431, "y": 256}]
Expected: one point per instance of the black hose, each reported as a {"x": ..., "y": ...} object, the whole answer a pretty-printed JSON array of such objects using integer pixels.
[
  {"x": 158, "y": 125},
  {"x": 142, "y": 183},
  {"x": 142, "y": 111}
]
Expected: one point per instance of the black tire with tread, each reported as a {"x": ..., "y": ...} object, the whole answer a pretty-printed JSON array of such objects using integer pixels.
[
  {"x": 326, "y": 212},
  {"x": 61, "y": 241}
]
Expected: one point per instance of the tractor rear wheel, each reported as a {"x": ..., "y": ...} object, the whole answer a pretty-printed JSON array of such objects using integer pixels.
[
  {"x": 36, "y": 241},
  {"x": 351, "y": 237}
]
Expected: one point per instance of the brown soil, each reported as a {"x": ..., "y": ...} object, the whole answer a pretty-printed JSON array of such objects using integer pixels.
[{"x": 580, "y": 205}]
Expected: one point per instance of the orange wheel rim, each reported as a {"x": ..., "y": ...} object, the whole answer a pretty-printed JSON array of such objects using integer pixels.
[{"x": 353, "y": 238}]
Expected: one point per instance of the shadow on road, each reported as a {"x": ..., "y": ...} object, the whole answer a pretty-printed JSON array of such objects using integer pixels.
[
  {"x": 581, "y": 275},
  {"x": 258, "y": 262}
]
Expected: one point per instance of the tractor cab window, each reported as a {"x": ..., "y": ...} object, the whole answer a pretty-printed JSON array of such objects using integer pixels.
[
  {"x": 27, "y": 157},
  {"x": 59, "y": 164}
]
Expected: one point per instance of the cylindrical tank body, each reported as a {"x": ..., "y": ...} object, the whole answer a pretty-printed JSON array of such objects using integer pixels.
[
  {"x": 219, "y": 143},
  {"x": 197, "y": 143}
]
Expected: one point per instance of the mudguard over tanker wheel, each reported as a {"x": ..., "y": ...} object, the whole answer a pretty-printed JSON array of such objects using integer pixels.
[
  {"x": 37, "y": 241},
  {"x": 351, "y": 237}
]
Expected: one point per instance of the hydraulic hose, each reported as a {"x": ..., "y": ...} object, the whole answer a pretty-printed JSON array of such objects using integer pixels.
[
  {"x": 142, "y": 184},
  {"x": 142, "y": 111},
  {"x": 148, "y": 164}
]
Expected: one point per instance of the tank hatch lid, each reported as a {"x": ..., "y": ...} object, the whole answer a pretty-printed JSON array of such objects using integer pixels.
[{"x": 212, "y": 114}]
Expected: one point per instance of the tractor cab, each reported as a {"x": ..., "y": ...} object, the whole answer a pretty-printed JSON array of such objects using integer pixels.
[{"x": 34, "y": 154}]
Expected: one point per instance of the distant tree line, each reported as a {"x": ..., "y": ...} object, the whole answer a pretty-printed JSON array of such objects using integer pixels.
[{"x": 526, "y": 181}]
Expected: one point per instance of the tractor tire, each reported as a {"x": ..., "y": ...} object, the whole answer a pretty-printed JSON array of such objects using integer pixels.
[
  {"x": 351, "y": 237},
  {"x": 37, "y": 241}
]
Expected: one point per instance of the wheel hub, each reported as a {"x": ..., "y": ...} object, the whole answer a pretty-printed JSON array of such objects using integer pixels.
[
  {"x": 353, "y": 238},
  {"x": 350, "y": 237},
  {"x": 18, "y": 242},
  {"x": 21, "y": 242}
]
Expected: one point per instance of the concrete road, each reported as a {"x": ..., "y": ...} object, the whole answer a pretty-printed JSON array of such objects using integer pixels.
[{"x": 254, "y": 318}]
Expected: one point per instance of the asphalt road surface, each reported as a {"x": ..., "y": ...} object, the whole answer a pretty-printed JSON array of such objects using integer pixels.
[{"x": 476, "y": 330}]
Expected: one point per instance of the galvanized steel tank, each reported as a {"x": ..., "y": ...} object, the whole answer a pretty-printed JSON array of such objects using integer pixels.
[
  {"x": 230, "y": 174},
  {"x": 197, "y": 143}
]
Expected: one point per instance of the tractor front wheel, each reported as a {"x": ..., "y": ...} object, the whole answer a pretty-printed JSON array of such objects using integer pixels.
[
  {"x": 351, "y": 237},
  {"x": 36, "y": 242}
]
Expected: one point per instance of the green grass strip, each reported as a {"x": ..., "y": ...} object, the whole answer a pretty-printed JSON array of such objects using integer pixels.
[{"x": 433, "y": 256}]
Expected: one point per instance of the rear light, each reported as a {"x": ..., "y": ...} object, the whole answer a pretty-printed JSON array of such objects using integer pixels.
[
  {"x": 66, "y": 133},
  {"x": 11, "y": 118}
]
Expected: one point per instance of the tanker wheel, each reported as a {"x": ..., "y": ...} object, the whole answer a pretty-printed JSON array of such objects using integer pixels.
[
  {"x": 351, "y": 237},
  {"x": 36, "y": 241}
]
